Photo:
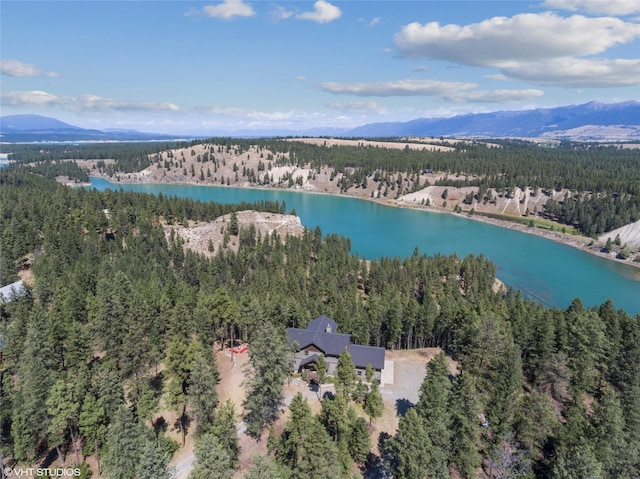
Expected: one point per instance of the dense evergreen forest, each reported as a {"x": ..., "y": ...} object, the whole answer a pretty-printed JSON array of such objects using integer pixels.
[
  {"x": 118, "y": 319},
  {"x": 602, "y": 183}
]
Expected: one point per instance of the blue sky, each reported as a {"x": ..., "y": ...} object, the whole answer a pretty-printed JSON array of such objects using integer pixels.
[{"x": 224, "y": 66}]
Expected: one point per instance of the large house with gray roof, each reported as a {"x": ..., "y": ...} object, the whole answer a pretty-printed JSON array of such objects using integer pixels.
[{"x": 321, "y": 338}]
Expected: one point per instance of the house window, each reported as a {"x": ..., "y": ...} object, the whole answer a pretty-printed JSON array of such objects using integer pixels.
[
  {"x": 359, "y": 372},
  {"x": 306, "y": 353}
]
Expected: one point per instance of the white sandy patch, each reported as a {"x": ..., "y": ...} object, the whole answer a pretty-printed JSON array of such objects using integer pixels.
[
  {"x": 419, "y": 197},
  {"x": 199, "y": 236},
  {"x": 629, "y": 235},
  {"x": 278, "y": 173}
]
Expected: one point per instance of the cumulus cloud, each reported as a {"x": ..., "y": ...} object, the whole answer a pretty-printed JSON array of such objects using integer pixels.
[
  {"x": 458, "y": 92},
  {"x": 323, "y": 12},
  {"x": 520, "y": 44},
  {"x": 606, "y": 7},
  {"x": 229, "y": 9},
  {"x": 367, "y": 105},
  {"x": 15, "y": 68},
  {"x": 80, "y": 103}
]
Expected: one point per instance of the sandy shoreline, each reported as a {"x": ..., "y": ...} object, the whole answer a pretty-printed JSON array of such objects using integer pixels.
[{"x": 588, "y": 245}]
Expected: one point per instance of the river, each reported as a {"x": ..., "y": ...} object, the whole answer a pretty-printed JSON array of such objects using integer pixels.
[{"x": 551, "y": 273}]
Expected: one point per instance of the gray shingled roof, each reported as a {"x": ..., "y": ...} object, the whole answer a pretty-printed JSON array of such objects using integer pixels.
[
  {"x": 362, "y": 356},
  {"x": 12, "y": 291},
  {"x": 333, "y": 344},
  {"x": 321, "y": 323}
]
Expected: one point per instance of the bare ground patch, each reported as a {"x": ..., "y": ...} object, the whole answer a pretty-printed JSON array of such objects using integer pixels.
[{"x": 207, "y": 238}]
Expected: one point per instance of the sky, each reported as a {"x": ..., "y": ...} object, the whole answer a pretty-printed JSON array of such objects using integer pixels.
[{"x": 234, "y": 65}]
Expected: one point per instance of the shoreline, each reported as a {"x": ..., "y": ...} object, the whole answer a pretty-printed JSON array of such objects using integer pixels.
[{"x": 579, "y": 242}]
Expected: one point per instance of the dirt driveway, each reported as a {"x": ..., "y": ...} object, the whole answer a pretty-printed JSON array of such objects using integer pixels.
[{"x": 409, "y": 372}]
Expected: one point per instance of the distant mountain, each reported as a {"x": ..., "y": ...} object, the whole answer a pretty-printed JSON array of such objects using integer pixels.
[
  {"x": 590, "y": 121},
  {"x": 36, "y": 128},
  {"x": 560, "y": 122}
]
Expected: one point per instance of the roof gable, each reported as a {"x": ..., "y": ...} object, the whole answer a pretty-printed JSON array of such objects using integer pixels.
[{"x": 323, "y": 324}]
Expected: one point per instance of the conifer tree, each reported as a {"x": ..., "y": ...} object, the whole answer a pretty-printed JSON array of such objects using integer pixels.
[
  {"x": 270, "y": 358},
  {"x": 373, "y": 403},
  {"x": 265, "y": 467},
  {"x": 153, "y": 462},
  {"x": 211, "y": 459},
  {"x": 63, "y": 407},
  {"x": 202, "y": 389},
  {"x": 124, "y": 446},
  {"x": 305, "y": 447},
  {"x": 465, "y": 409},
  {"x": 344, "y": 374},
  {"x": 433, "y": 408},
  {"x": 359, "y": 441},
  {"x": 411, "y": 447},
  {"x": 93, "y": 424},
  {"x": 224, "y": 428}
]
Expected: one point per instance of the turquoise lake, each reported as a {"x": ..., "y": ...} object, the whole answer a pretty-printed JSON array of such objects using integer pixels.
[{"x": 549, "y": 272}]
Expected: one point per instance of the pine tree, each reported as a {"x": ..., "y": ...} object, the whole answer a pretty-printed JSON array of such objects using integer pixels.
[
  {"x": 224, "y": 428},
  {"x": 63, "y": 407},
  {"x": 305, "y": 447},
  {"x": 124, "y": 446},
  {"x": 153, "y": 462},
  {"x": 201, "y": 392},
  {"x": 373, "y": 403},
  {"x": 270, "y": 358},
  {"x": 211, "y": 459},
  {"x": 345, "y": 377},
  {"x": 433, "y": 408},
  {"x": 359, "y": 441},
  {"x": 465, "y": 409},
  {"x": 265, "y": 467},
  {"x": 411, "y": 448},
  {"x": 93, "y": 423}
]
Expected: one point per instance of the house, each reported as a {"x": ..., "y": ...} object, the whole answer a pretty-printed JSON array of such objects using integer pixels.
[
  {"x": 322, "y": 339},
  {"x": 12, "y": 291}
]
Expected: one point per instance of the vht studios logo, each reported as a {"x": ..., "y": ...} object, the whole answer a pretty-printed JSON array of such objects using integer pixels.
[{"x": 41, "y": 472}]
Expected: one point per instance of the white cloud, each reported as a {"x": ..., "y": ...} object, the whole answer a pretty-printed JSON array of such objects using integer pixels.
[
  {"x": 576, "y": 72},
  {"x": 523, "y": 37},
  {"x": 229, "y": 9},
  {"x": 323, "y": 12},
  {"x": 456, "y": 92},
  {"x": 81, "y": 103},
  {"x": 497, "y": 76},
  {"x": 367, "y": 105},
  {"x": 606, "y": 7},
  {"x": 14, "y": 68},
  {"x": 520, "y": 44},
  {"x": 301, "y": 78},
  {"x": 280, "y": 13},
  {"x": 494, "y": 96},
  {"x": 374, "y": 21},
  {"x": 397, "y": 88}
]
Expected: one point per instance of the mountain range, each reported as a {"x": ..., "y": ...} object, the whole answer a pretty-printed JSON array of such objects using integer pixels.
[
  {"x": 592, "y": 121},
  {"x": 36, "y": 128}
]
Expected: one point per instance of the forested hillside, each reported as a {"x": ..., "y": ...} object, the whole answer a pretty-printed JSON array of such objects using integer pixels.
[
  {"x": 119, "y": 322},
  {"x": 589, "y": 187}
]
